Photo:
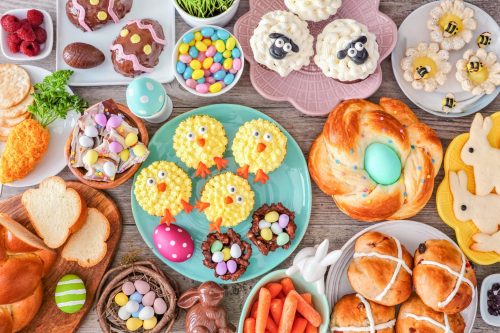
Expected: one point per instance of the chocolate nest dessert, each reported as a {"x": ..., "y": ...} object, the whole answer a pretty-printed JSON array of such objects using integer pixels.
[
  {"x": 273, "y": 226},
  {"x": 227, "y": 254}
]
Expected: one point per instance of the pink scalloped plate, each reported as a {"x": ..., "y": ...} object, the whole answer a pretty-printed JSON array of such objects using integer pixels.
[{"x": 309, "y": 90}]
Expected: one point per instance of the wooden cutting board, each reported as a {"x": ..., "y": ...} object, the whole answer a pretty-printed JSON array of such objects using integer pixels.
[{"x": 49, "y": 318}]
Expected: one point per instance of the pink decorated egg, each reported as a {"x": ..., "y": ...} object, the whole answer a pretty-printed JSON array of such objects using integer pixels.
[{"x": 173, "y": 242}]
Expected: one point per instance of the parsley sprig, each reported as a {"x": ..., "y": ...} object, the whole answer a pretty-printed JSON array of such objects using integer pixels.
[{"x": 51, "y": 99}]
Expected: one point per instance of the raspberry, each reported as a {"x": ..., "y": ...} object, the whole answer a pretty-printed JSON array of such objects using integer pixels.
[
  {"x": 41, "y": 35},
  {"x": 14, "y": 39},
  {"x": 26, "y": 33},
  {"x": 10, "y": 23},
  {"x": 31, "y": 49},
  {"x": 34, "y": 17},
  {"x": 13, "y": 47}
]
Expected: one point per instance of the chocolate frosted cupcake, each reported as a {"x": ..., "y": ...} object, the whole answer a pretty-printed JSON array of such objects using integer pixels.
[
  {"x": 227, "y": 254},
  {"x": 273, "y": 226}
]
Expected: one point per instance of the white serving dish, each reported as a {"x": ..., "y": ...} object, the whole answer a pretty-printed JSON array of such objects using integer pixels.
[
  {"x": 104, "y": 74},
  {"x": 414, "y": 30},
  {"x": 220, "y": 20},
  {"x": 411, "y": 234},
  {"x": 45, "y": 48},
  {"x": 485, "y": 286}
]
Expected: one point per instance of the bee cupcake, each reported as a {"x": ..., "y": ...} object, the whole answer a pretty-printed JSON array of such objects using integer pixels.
[
  {"x": 259, "y": 147},
  {"x": 200, "y": 142},
  {"x": 163, "y": 189},
  {"x": 478, "y": 72}
]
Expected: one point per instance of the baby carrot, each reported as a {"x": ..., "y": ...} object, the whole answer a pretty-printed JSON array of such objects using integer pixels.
[
  {"x": 262, "y": 310},
  {"x": 274, "y": 288},
  {"x": 288, "y": 315},
  {"x": 287, "y": 285},
  {"x": 276, "y": 309},
  {"x": 253, "y": 312},
  {"x": 249, "y": 325},
  {"x": 299, "y": 325},
  {"x": 306, "y": 310},
  {"x": 307, "y": 297},
  {"x": 271, "y": 326},
  {"x": 309, "y": 328}
]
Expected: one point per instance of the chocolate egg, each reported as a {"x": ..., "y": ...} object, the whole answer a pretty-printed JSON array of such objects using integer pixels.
[
  {"x": 160, "y": 306},
  {"x": 101, "y": 119},
  {"x": 149, "y": 298},
  {"x": 142, "y": 287},
  {"x": 115, "y": 147},
  {"x": 109, "y": 169},
  {"x": 91, "y": 131},
  {"x": 128, "y": 288},
  {"x": 173, "y": 242},
  {"x": 85, "y": 141}
]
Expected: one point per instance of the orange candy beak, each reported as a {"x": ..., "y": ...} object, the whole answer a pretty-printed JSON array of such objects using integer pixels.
[
  {"x": 161, "y": 187},
  {"x": 228, "y": 200},
  {"x": 261, "y": 147},
  {"x": 200, "y": 142}
]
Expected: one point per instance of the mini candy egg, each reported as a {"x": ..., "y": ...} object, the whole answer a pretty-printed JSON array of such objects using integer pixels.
[
  {"x": 218, "y": 257},
  {"x": 121, "y": 299},
  {"x": 202, "y": 88},
  {"x": 235, "y": 251},
  {"x": 123, "y": 314},
  {"x": 220, "y": 46},
  {"x": 223, "y": 34},
  {"x": 146, "y": 313},
  {"x": 198, "y": 36},
  {"x": 115, "y": 147},
  {"x": 282, "y": 239},
  {"x": 188, "y": 73},
  {"x": 188, "y": 37},
  {"x": 193, "y": 51},
  {"x": 207, "y": 63},
  {"x": 114, "y": 121},
  {"x": 226, "y": 54},
  {"x": 149, "y": 324},
  {"x": 195, "y": 64},
  {"x": 207, "y": 32},
  {"x": 229, "y": 79},
  {"x": 131, "y": 139},
  {"x": 220, "y": 75},
  {"x": 191, "y": 83},
  {"x": 128, "y": 288},
  {"x": 276, "y": 229},
  {"x": 101, "y": 119},
  {"x": 230, "y": 43},
  {"x": 215, "y": 88},
  {"x": 183, "y": 48},
  {"x": 263, "y": 224},
  {"x": 216, "y": 246},
  {"x": 133, "y": 324},
  {"x": 198, "y": 74},
  {"x": 218, "y": 57},
  {"x": 227, "y": 253},
  {"x": 271, "y": 217},
  {"x": 267, "y": 234},
  {"x": 185, "y": 58},
  {"x": 109, "y": 168},
  {"x": 70, "y": 294},
  {"x": 132, "y": 306},
  {"x": 180, "y": 67},
  {"x": 232, "y": 266},
  {"x": 283, "y": 220},
  {"x": 136, "y": 314},
  {"x": 149, "y": 298},
  {"x": 202, "y": 47},
  {"x": 85, "y": 141},
  {"x": 382, "y": 163},
  {"x": 211, "y": 51},
  {"x": 136, "y": 296},
  {"x": 142, "y": 287},
  {"x": 236, "y": 53},
  {"x": 140, "y": 150},
  {"x": 124, "y": 155},
  {"x": 90, "y": 157},
  {"x": 221, "y": 268},
  {"x": 173, "y": 242},
  {"x": 160, "y": 306},
  {"x": 237, "y": 64},
  {"x": 91, "y": 131},
  {"x": 145, "y": 96}
]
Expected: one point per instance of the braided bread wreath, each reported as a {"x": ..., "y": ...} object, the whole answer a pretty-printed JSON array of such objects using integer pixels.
[{"x": 378, "y": 162}]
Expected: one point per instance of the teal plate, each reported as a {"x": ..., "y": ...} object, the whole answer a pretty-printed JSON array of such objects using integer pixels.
[{"x": 289, "y": 184}]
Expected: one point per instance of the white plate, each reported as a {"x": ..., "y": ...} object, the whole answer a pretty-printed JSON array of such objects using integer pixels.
[
  {"x": 53, "y": 161},
  {"x": 485, "y": 286},
  {"x": 414, "y": 30},
  {"x": 411, "y": 234},
  {"x": 161, "y": 10}
]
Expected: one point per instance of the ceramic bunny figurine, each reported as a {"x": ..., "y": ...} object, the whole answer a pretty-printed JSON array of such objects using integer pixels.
[
  {"x": 486, "y": 243},
  {"x": 484, "y": 158},
  {"x": 312, "y": 263},
  {"x": 205, "y": 314},
  {"x": 483, "y": 210}
]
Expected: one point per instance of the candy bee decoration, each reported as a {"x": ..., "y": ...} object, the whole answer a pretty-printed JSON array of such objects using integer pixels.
[
  {"x": 448, "y": 103},
  {"x": 484, "y": 39}
]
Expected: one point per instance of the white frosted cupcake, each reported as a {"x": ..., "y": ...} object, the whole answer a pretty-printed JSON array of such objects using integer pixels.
[
  {"x": 346, "y": 51},
  {"x": 313, "y": 10},
  {"x": 451, "y": 24},
  {"x": 282, "y": 42},
  {"x": 426, "y": 66},
  {"x": 478, "y": 72}
]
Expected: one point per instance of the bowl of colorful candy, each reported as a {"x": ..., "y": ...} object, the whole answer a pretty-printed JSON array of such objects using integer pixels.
[{"x": 208, "y": 61}]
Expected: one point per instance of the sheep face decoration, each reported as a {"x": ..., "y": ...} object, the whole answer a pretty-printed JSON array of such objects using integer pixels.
[
  {"x": 312, "y": 263},
  {"x": 281, "y": 46},
  {"x": 485, "y": 159},
  {"x": 356, "y": 51}
]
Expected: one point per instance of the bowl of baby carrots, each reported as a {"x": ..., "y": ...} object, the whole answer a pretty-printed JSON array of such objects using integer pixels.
[{"x": 282, "y": 304}]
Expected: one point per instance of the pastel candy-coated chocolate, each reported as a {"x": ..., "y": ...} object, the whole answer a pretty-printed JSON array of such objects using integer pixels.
[
  {"x": 85, "y": 141},
  {"x": 202, "y": 88},
  {"x": 223, "y": 34},
  {"x": 217, "y": 257},
  {"x": 210, "y": 80},
  {"x": 136, "y": 296},
  {"x": 185, "y": 58},
  {"x": 220, "y": 75},
  {"x": 90, "y": 157},
  {"x": 160, "y": 306},
  {"x": 382, "y": 163},
  {"x": 195, "y": 64},
  {"x": 198, "y": 36},
  {"x": 128, "y": 288},
  {"x": 201, "y": 57},
  {"x": 136, "y": 314},
  {"x": 267, "y": 234},
  {"x": 218, "y": 57},
  {"x": 115, "y": 147},
  {"x": 101, "y": 119},
  {"x": 264, "y": 224},
  {"x": 193, "y": 51},
  {"x": 215, "y": 88},
  {"x": 142, "y": 287},
  {"x": 202, "y": 80},
  {"x": 150, "y": 323},
  {"x": 191, "y": 83},
  {"x": 228, "y": 79},
  {"x": 132, "y": 306},
  {"x": 114, "y": 121},
  {"x": 230, "y": 43},
  {"x": 232, "y": 266},
  {"x": 215, "y": 36},
  {"x": 227, "y": 253},
  {"x": 187, "y": 38},
  {"x": 235, "y": 251},
  {"x": 216, "y": 246},
  {"x": 91, "y": 131},
  {"x": 207, "y": 63},
  {"x": 123, "y": 314},
  {"x": 233, "y": 71},
  {"x": 272, "y": 216},
  {"x": 70, "y": 293},
  {"x": 237, "y": 64},
  {"x": 188, "y": 73},
  {"x": 215, "y": 67},
  {"x": 200, "y": 46},
  {"x": 236, "y": 53},
  {"x": 183, "y": 48},
  {"x": 140, "y": 150},
  {"x": 149, "y": 298},
  {"x": 133, "y": 324},
  {"x": 124, "y": 155},
  {"x": 146, "y": 313},
  {"x": 131, "y": 139},
  {"x": 109, "y": 169},
  {"x": 207, "y": 31},
  {"x": 211, "y": 51},
  {"x": 221, "y": 268},
  {"x": 220, "y": 46},
  {"x": 276, "y": 229},
  {"x": 226, "y": 54},
  {"x": 228, "y": 64},
  {"x": 207, "y": 72},
  {"x": 282, "y": 239},
  {"x": 180, "y": 67},
  {"x": 198, "y": 74}
]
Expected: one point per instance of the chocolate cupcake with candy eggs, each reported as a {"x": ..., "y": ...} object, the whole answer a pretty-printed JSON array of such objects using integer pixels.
[
  {"x": 443, "y": 277},
  {"x": 90, "y": 15},
  {"x": 381, "y": 269}
]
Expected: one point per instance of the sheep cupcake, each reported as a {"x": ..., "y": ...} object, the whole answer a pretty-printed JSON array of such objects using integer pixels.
[
  {"x": 314, "y": 10},
  {"x": 347, "y": 51},
  {"x": 478, "y": 72},
  {"x": 282, "y": 42}
]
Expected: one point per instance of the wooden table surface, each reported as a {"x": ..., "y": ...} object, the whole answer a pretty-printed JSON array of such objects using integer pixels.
[{"x": 326, "y": 219}]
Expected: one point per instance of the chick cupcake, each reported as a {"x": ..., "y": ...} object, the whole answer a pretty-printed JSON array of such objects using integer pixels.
[
  {"x": 451, "y": 24},
  {"x": 478, "y": 72},
  {"x": 259, "y": 147},
  {"x": 313, "y": 10},
  {"x": 163, "y": 189},
  {"x": 282, "y": 42},
  {"x": 226, "y": 200},
  {"x": 200, "y": 142},
  {"x": 347, "y": 51},
  {"x": 426, "y": 66}
]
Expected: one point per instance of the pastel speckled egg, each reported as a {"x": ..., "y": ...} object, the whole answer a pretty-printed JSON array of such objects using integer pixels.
[
  {"x": 145, "y": 96},
  {"x": 150, "y": 323},
  {"x": 121, "y": 299},
  {"x": 128, "y": 288},
  {"x": 160, "y": 306},
  {"x": 133, "y": 324},
  {"x": 109, "y": 169},
  {"x": 173, "y": 242},
  {"x": 149, "y": 298},
  {"x": 132, "y": 306},
  {"x": 382, "y": 163},
  {"x": 142, "y": 287},
  {"x": 70, "y": 293},
  {"x": 101, "y": 119},
  {"x": 146, "y": 313},
  {"x": 137, "y": 297},
  {"x": 123, "y": 314}
]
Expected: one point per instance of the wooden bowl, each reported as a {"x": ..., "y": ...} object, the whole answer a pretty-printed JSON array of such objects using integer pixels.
[{"x": 120, "y": 178}]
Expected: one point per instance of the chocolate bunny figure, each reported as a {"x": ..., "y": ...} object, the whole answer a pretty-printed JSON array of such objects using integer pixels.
[{"x": 205, "y": 314}]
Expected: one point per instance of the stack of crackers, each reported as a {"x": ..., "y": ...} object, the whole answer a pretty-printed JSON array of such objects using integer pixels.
[{"x": 15, "y": 97}]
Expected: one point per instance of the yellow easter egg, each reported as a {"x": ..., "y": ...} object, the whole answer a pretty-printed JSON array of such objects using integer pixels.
[
  {"x": 183, "y": 48},
  {"x": 198, "y": 36},
  {"x": 90, "y": 157},
  {"x": 149, "y": 324},
  {"x": 133, "y": 324},
  {"x": 215, "y": 88},
  {"x": 220, "y": 46},
  {"x": 271, "y": 217},
  {"x": 201, "y": 46},
  {"x": 207, "y": 42},
  {"x": 131, "y": 139},
  {"x": 226, "y": 54},
  {"x": 228, "y": 64},
  {"x": 124, "y": 155},
  {"x": 267, "y": 234},
  {"x": 197, "y": 74},
  {"x": 207, "y": 63},
  {"x": 230, "y": 43},
  {"x": 227, "y": 253},
  {"x": 195, "y": 64},
  {"x": 121, "y": 299},
  {"x": 140, "y": 150}
]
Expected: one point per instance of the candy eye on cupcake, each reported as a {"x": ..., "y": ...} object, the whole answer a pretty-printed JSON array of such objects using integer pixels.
[
  {"x": 282, "y": 45},
  {"x": 478, "y": 72},
  {"x": 355, "y": 51}
]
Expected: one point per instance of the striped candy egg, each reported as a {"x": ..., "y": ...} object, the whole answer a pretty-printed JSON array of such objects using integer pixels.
[{"x": 70, "y": 293}]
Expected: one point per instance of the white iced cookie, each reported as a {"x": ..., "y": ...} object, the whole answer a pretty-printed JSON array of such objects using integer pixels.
[
  {"x": 313, "y": 10},
  {"x": 346, "y": 51},
  {"x": 451, "y": 24},
  {"x": 425, "y": 66},
  {"x": 282, "y": 42},
  {"x": 478, "y": 71}
]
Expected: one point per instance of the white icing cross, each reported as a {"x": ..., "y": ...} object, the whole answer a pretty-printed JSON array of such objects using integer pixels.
[
  {"x": 446, "y": 327},
  {"x": 400, "y": 263}
]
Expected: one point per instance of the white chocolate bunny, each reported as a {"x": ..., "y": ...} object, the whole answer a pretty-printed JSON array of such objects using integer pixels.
[
  {"x": 486, "y": 243},
  {"x": 484, "y": 158},
  {"x": 312, "y": 263},
  {"x": 483, "y": 210}
]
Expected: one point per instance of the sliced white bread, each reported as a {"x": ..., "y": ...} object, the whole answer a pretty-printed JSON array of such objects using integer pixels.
[
  {"x": 88, "y": 245},
  {"x": 55, "y": 211}
]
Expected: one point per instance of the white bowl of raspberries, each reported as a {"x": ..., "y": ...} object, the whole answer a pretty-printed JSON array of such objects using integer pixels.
[{"x": 26, "y": 34}]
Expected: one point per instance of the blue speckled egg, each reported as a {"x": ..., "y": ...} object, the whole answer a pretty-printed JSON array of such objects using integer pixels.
[
  {"x": 382, "y": 163},
  {"x": 145, "y": 96}
]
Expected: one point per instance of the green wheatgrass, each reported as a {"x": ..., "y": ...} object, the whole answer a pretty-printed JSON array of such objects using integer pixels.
[{"x": 205, "y": 8}]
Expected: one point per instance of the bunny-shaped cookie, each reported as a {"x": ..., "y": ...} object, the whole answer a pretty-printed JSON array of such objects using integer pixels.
[
  {"x": 486, "y": 243},
  {"x": 205, "y": 314},
  {"x": 483, "y": 210},
  {"x": 484, "y": 158},
  {"x": 312, "y": 262}
]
